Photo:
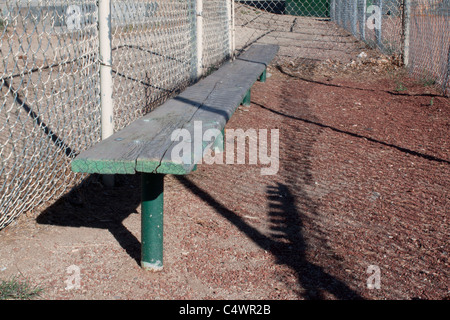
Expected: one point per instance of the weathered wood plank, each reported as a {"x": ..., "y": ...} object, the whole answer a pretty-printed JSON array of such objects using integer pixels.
[
  {"x": 118, "y": 153},
  {"x": 231, "y": 83},
  {"x": 146, "y": 144}
]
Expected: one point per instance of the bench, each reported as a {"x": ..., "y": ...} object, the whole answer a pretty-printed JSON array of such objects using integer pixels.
[{"x": 146, "y": 145}]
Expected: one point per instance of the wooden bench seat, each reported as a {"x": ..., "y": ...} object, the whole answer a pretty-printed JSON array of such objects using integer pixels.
[{"x": 146, "y": 145}]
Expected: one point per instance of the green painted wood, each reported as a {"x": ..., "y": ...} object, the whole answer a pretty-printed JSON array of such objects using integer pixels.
[
  {"x": 146, "y": 145},
  {"x": 118, "y": 153}
]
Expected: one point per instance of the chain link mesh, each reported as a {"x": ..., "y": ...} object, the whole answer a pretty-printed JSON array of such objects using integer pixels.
[
  {"x": 152, "y": 52},
  {"x": 429, "y": 41},
  {"x": 416, "y": 30},
  {"x": 216, "y": 42},
  {"x": 50, "y": 95},
  {"x": 302, "y": 29},
  {"x": 49, "y": 99},
  {"x": 50, "y": 83},
  {"x": 377, "y": 22}
]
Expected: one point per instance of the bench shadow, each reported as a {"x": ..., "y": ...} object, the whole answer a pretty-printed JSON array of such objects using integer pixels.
[
  {"x": 293, "y": 217},
  {"x": 290, "y": 246},
  {"x": 91, "y": 205},
  {"x": 286, "y": 242}
]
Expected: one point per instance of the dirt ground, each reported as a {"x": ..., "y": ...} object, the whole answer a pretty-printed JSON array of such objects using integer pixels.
[{"x": 361, "y": 195}]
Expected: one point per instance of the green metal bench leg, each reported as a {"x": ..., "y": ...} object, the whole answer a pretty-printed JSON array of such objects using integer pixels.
[
  {"x": 263, "y": 76},
  {"x": 152, "y": 208},
  {"x": 247, "y": 98},
  {"x": 219, "y": 143}
]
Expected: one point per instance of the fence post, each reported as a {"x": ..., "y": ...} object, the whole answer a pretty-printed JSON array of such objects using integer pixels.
[
  {"x": 193, "y": 41},
  {"x": 338, "y": 13},
  {"x": 406, "y": 30},
  {"x": 446, "y": 83},
  {"x": 230, "y": 28},
  {"x": 199, "y": 37},
  {"x": 362, "y": 21},
  {"x": 344, "y": 13},
  {"x": 378, "y": 31},
  {"x": 354, "y": 16},
  {"x": 233, "y": 31},
  {"x": 333, "y": 10},
  {"x": 106, "y": 82}
]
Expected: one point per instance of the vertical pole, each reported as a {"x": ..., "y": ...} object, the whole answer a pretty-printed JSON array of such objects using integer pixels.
[
  {"x": 233, "y": 30},
  {"x": 193, "y": 36},
  {"x": 333, "y": 10},
  {"x": 362, "y": 21},
  {"x": 230, "y": 28},
  {"x": 219, "y": 142},
  {"x": 199, "y": 37},
  {"x": 336, "y": 11},
  {"x": 446, "y": 84},
  {"x": 344, "y": 13},
  {"x": 263, "y": 76},
  {"x": 106, "y": 82},
  {"x": 354, "y": 16},
  {"x": 379, "y": 27},
  {"x": 246, "y": 102},
  {"x": 406, "y": 23},
  {"x": 339, "y": 12},
  {"x": 152, "y": 208}
]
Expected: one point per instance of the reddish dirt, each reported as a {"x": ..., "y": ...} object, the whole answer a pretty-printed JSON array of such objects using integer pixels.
[{"x": 363, "y": 181}]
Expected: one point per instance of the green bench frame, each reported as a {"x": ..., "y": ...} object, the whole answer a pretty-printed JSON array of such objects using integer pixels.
[{"x": 145, "y": 145}]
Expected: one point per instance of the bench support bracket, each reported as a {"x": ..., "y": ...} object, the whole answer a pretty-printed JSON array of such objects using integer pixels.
[
  {"x": 263, "y": 76},
  {"x": 247, "y": 99},
  {"x": 152, "y": 208}
]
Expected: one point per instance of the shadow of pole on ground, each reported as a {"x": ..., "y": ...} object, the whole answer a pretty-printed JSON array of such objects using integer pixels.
[
  {"x": 289, "y": 206},
  {"x": 286, "y": 244}
]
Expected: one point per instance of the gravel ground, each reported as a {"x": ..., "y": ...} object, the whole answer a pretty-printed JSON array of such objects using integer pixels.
[
  {"x": 360, "y": 198},
  {"x": 362, "y": 191}
]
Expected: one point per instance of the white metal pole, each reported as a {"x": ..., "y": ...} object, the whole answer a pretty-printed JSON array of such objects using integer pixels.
[
  {"x": 233, "y": 30},
  {"x": 406, "y": 30},
  {"x": 446, "y": 83},
  {"x": 379, "y": 27},
  {"x": 230, "y": 26},
  {"x": 354, "y": 16},
  {"x": 199, "y": 37},
  {"x": 106, "y": 82},
  {"x": 339, "y": 6},
  {"x": 105, "y": 55},
  {"x": 362, "y": 20},
  {"x": 333, "y": 10}
]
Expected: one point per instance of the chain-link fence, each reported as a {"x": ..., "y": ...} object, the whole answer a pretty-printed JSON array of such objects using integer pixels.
[
  {"x": 427, "y": 41},
  {"x": 58, "y": 78},
  {"x": 417, "y": 31},
  {"x": 49, "y": 99},
  {"x": 51, "y": 94}
]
